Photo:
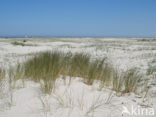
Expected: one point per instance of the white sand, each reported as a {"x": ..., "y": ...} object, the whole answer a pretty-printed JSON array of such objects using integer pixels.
[{"x": 78, "y": 99}]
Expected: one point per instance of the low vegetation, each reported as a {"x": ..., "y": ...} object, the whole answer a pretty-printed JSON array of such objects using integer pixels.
[
  {"x": 2, "y": 74},
  {"x": 126, "y": 82},
  {"x": 117, "y": 81},
  {"x": 131, "y": 80},
  {"x": 22, "y": 43},
  {"x": 46, "y": 67},
  {"x": 147, "y": 40},
  {"x": 151, "y": 70}
]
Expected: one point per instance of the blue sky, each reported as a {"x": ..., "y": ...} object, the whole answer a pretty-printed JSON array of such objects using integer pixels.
[{"x": 104, "y": 18}]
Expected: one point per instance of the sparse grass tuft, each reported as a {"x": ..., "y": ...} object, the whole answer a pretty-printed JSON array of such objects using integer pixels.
[
  {"x": 16, "y": 43},
  {"x": 131, "y": 80},
  {"x": 2, "y": 74},
  {"x": 45, "y": 66},
  {"x": 151, "y": 70},
  {"x": 106, "y": 70},
  {"x": 126, "y": 82},
  {"x": 117, "y": 81},
  {"x": 96, "y": 71},
  {"x": 147, "y": 40},
  {"x": 24, "y": 40}
]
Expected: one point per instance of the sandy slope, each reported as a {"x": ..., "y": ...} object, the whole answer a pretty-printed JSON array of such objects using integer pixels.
[{"x": 76, "y": 99}]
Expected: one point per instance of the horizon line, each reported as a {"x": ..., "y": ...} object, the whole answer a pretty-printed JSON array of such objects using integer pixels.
[{"x": 18, "y": 36}]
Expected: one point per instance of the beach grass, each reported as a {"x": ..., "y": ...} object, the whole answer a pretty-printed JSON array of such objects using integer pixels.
[
  {"x": 2, "y": 74},
  {"x": 46, "y": 67}
]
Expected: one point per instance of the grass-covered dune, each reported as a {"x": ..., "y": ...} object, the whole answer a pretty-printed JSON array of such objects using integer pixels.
[{"x": 46, "y": 67}]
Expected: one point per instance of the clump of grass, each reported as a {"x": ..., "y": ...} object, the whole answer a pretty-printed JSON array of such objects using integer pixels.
[
  {"x": 126, "y": 82},
  {"x": 79, "y": 64},
  {"x": 131, "y": 80},
  {"x": 42, "y": 64},
  {"x": 16, "y": 43},
  {"x": 48, "y": 84},
  {"x": 147, "y": 40},
  {"x": 151, "y": 70},
  {"x": 24, "y": 40},
  {"x": 2, "y": 74},
  {"x": 117, "y": 81},
  {"x": 14, "y": 74},
  {"x": 46, "y": 67},
  {"x": 82, "y": 66},
  {"x": 91, "y": 76},
  {"x": 106, "y": 70},
  {"x": 95, "y": 71}
]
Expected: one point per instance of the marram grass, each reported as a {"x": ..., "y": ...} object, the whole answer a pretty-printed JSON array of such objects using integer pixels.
[
  {"x": 2, "y": 74},
  {"x": 46, "y": 67}
]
